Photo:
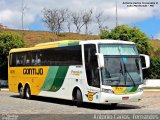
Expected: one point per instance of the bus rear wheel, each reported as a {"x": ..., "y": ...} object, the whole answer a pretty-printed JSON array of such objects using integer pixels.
[
  {"x": 21, "y": 92},
  {"x": 27, "y": 92}
]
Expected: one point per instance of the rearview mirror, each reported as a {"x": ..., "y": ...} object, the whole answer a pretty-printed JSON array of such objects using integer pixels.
[
  {"x": 145, "y": 60},
  {"x": 100, "y": 58}
]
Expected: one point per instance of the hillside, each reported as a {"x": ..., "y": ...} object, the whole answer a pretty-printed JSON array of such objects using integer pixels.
[
  {"x": 155, "y": 44},
  {"x": 32, "y": 38}
]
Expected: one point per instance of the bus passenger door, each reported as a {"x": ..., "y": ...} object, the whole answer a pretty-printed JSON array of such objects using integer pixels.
[{"x": 92, "y": 73}]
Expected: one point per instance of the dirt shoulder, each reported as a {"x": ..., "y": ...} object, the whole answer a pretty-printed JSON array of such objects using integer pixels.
[{"x": 152, "y": 92}]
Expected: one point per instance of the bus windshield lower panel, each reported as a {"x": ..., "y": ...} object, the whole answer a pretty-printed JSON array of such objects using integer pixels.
[{"x": 122, "y": 71}]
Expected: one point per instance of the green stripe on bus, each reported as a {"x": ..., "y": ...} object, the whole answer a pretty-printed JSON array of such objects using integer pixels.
[
  {"x": 52, "y": 71},
  {"x": 128, "y": 89},
  {"x": 134, "y": 89},
  {"x": 63, "y": 45},
  {"x": 59, "y": 79},
  {"x": 69, "y": 44},
  {"x": 73, "y": 44}
]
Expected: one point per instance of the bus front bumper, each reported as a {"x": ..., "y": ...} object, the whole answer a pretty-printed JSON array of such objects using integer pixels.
[{"x": 114, "y": 98}]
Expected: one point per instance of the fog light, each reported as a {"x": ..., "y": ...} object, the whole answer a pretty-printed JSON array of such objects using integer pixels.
[{"x": 107, "y": 90}]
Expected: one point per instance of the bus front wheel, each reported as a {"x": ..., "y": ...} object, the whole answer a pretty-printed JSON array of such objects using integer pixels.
[
  {"x": 79, "y": 98},
  {"x": 113, "y": 105},
  {"x": 27, "y": 92}
]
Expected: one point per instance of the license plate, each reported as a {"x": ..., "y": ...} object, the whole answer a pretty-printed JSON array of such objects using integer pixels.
[{"x": 125, "y": 98}]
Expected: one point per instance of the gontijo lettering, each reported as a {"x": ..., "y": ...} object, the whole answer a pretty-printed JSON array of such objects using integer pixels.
[{"x": 33, "y": 71}]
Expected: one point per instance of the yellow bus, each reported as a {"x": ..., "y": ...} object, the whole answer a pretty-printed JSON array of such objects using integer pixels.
[{"x": 97, "y": 71}]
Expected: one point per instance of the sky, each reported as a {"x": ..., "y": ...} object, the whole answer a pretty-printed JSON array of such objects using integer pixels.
[{"x": 147, "y": 18}]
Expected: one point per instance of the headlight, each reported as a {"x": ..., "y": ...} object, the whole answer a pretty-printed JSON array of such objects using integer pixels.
[
  {"x": 140, "y": 89},
  {"x": 107, "y": 90}
]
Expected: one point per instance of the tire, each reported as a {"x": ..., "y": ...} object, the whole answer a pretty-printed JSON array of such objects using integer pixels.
[
  {"x": 113, "y": 105},
  {"x": 21, "y": 92},
  {"x": 27, "y": 92},
  {"x": 79, "y": 99}
]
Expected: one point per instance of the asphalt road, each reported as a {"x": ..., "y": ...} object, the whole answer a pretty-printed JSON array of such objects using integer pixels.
[{"x": 10, "y": 103}]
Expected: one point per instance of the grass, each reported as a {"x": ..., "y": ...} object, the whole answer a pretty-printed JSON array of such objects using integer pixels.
[
  {"x": 151, "y": 87},
  {"x": 32, "y": 38},
  {"x": 155, "y": 44}
]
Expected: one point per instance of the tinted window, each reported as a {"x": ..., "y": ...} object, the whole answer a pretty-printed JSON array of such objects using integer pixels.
[
  {"x": 120, "y": 49},
  {"x": 91, "y": 65},
  {"x": 49, "y": 57}
]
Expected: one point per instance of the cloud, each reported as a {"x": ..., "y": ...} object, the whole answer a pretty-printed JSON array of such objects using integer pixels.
[
  {"x": 12, "y": 18},
  {"x": 10, "y": 14},
  {"x": 157, "y": 36}
]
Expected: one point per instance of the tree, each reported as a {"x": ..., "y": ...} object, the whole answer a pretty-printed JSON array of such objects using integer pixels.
[
  {"x": 69, "y": 21},
  {"x": 82, "y": 18},
  {"x": 153, "y": 72},
  {"x": 99, "y": 20},
  {"x": 104, "y": 32},
  {"x": 87, "y": 19},
  {"x": 61, "y": 18},
  {"x": 127, "y": 33},
  {"x": 49, "y": 17},
  {"x": 77, "y": 21},
  {"x": 55, "y": 19},
  {"x": 7, "y": 42}
]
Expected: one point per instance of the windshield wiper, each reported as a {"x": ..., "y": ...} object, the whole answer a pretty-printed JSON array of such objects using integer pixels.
[
  {"x": 126, "y": 71},
  {"x": 122, "y": 73}
]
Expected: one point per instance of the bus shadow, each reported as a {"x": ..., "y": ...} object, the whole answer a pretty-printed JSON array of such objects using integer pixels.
[
  {"x": 15, "y": 96},
  {"x": 109, "y": 107},
  {"x": 84, "y": 105},
  {"x": 47, "y": 100}
]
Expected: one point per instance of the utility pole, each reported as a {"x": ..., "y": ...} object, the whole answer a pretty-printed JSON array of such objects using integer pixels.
[
  {"x": 23, "y": 7},
  {"x": 22, "y": 13},
  {"x": 116, "y": 14}
]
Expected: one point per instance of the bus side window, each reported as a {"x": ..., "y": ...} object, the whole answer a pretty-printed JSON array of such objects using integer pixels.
[
  {"x": 33, "y": 58},
  {"x": 33, "y": 61},
  {"x": 91, "y": 65},
  {"x": 27, "y": 58},
  {"x": 19, "y": 59},
  {"x": 12, "y": 61},
  {"x": 39, "y": 58}
]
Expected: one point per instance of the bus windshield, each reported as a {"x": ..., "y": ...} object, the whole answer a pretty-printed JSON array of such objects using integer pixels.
[
  {"x": 122, "y": 65},
  {"x": 121, "y": 72}
]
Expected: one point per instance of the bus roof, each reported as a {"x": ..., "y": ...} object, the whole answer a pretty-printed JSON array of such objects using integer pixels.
[
  {"x": 106, "y": 41},
  {"x": 64, "y": 43}
]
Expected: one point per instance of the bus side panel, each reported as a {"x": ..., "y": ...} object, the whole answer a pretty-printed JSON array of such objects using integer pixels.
[
  {"x": 33, "y": 76},
  {"x": 55, "y": 81},
  {"x": 55, "y": 84},
  {"x": 62, "y": 83},
  {"x": 13, "y": 79}
]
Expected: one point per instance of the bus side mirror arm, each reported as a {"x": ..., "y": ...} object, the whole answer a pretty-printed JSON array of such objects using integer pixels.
[
  {"x": 147, "y": 61},
  {"x": 100, "y": 58}
]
